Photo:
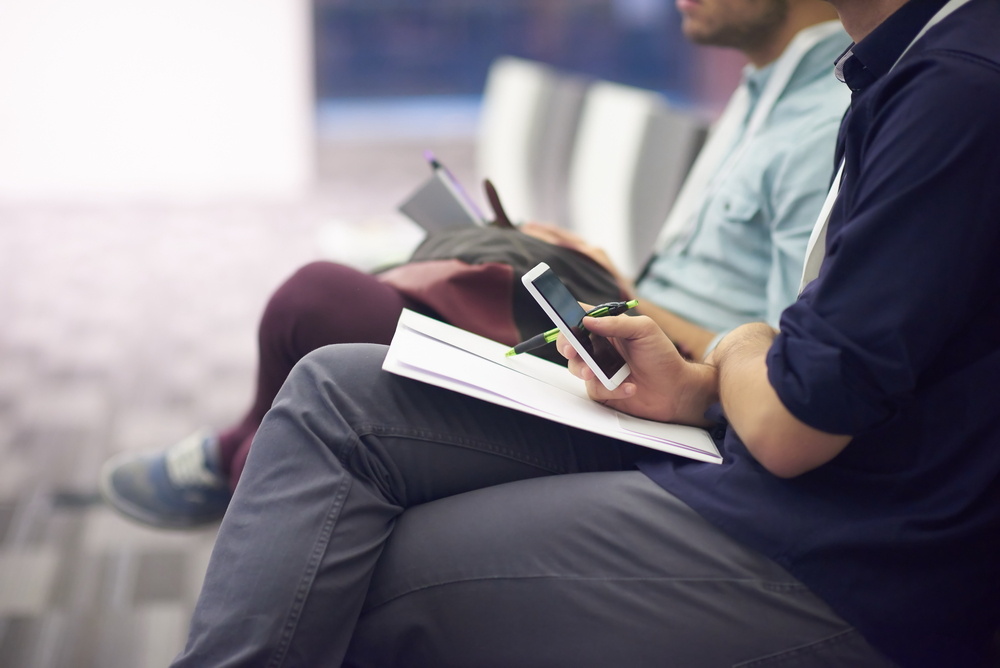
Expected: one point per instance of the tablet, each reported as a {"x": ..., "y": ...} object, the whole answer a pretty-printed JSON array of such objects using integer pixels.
[{"x": 441, "y": 202}]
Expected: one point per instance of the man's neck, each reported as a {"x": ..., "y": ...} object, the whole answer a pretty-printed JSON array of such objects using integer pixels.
[
  {"x": 860, "y": 17},
  {"x": 801, "y": 15}
]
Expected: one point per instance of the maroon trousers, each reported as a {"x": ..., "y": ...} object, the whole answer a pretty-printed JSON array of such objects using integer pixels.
[{"x": 321, "y": 304}]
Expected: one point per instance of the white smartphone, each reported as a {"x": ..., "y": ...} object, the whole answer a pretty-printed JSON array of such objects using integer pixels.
[{"x": 567, "y": 314}]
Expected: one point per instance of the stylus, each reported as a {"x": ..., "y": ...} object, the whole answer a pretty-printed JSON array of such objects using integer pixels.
[{"x": 599, "y": 311}]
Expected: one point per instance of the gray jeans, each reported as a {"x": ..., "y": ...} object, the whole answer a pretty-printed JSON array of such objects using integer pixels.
[{"x": 497, "y": 559}]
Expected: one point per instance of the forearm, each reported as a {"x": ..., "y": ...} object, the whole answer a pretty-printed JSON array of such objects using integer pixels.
[
  {"x": 779, "y": 441},
  {"x": 741, "y": 362}
]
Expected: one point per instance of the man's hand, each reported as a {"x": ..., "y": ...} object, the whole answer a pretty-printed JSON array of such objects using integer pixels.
[
  {"x": 690, "y": 338},
  {"x": 662, "y": 385}
]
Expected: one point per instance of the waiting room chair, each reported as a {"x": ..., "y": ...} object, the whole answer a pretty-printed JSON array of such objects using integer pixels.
[
  {"x": 527, "y": 128},
  {"x": 631, "y": 155}
]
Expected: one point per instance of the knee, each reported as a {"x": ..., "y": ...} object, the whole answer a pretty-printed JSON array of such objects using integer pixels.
[
  {"x": 341, "y": 364},
  {"x": 305, "y": 292},
  {"x": 333, "y": 379}
]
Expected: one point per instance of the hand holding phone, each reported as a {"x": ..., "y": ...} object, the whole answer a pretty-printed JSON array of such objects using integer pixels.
[{"x": 565, "y": 311}]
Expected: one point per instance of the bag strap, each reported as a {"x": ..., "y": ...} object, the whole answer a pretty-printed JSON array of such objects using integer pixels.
[{"x": 500, "y": 216}]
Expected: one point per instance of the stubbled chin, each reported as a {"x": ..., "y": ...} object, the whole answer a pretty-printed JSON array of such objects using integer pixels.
[{"x": 691, "y": 31}]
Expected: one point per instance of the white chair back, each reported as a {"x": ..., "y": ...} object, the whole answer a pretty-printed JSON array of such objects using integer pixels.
[
  {"x": 527, "y": 128},
  {"x": 631, "y": 154}
]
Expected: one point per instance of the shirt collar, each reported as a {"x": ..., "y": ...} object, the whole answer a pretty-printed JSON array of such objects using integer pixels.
[
  {"x": 871, "y": 58},
  {"x": 756, "y": 79}
]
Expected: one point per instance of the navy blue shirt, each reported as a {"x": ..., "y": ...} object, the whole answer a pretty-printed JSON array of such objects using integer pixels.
[{"x": 897, "y": 343}]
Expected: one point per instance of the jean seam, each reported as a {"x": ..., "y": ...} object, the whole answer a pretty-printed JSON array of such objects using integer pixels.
[
  {"x": 311, "y": 569},
  {"x": 797, "y": 653},
  {"x": 575, "y": 578},
  {"x": 446, "y": 438},
  {"x": 786, "y": 587}
]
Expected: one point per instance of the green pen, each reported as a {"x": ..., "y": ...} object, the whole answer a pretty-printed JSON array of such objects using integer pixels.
[{"x": 539, "y": 340}]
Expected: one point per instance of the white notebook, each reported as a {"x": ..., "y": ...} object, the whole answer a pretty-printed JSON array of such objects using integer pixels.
[{"x": 434, "y": 352}]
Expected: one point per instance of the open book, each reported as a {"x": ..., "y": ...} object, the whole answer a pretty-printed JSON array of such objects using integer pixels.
[{"x": 437, "y": 353}]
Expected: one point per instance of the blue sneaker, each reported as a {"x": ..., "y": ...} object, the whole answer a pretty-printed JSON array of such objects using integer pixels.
[{"x": 179, "y": 488}]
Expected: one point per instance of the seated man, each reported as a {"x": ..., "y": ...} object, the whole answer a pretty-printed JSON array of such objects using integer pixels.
[
  {"x": 853, "y": 522},
  {"x": 734, "y": 254}
]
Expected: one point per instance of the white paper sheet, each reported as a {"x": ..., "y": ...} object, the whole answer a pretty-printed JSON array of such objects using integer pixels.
[{"x": 437, "y": 353}]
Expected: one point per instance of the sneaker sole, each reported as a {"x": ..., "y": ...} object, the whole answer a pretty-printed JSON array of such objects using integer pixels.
[{"x": 125, "y": 507}]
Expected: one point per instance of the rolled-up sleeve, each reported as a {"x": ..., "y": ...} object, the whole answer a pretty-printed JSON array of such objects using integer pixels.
[
  {"x": 904, "y": 247},
  {"x": 828, "y": 381}
]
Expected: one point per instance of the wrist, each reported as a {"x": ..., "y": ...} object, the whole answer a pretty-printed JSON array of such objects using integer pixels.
[{"x": 700, "y": 391}]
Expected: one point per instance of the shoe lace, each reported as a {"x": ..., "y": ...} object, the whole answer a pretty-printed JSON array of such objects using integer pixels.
[{"x": 186, "y": 464}]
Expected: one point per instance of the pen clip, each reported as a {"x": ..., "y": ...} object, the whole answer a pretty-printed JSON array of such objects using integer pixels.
[
  {"x": 612, "y": 308},
  {"x": 607, "y": 308}
]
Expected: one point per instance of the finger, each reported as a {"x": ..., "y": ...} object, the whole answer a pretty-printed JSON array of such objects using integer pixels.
[
  {"x": 564, "y": 347},
  {"x": 624, "y": 391},
  {"x": 553, "y": 235},
  {"x": 539, "y": 232},
  {"x": 536, "y": 225},
  {"x": 579, "y": 368},
  {"x": 613, "y": 398},
  {"x": 622, "y": 326}
]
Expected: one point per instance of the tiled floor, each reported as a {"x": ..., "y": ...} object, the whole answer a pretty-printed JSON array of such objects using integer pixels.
[{"x": 123, "y": 327}]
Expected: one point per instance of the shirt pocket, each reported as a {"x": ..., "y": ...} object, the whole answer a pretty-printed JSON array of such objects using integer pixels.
[
  {"x": 738, "y": 208},
  {"x": 741, "y": 242}
]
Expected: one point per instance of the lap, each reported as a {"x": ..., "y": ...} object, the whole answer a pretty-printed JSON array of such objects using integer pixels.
[
  {"x": 416, "y": 441},
  {"x": 591, "y": 569}
]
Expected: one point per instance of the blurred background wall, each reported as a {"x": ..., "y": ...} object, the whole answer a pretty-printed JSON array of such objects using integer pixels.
[
  {"x": 219, "y": 97},
  {"x": 389, "y": 47},
  {"x": 155, "y": 97},
  {"x": 394, "y": 47}
]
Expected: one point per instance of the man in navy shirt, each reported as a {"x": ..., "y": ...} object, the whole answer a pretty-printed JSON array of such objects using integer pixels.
[
  {"x": 896, "y": 348},
  {"x": 855, "y": 520}
]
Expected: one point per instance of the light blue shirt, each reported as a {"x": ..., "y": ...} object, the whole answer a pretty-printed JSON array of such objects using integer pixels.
[{"x": 742, "y": 260}]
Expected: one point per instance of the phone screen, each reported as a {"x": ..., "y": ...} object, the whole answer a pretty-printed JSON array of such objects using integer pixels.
[{"x": 562, "y": 301}]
